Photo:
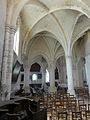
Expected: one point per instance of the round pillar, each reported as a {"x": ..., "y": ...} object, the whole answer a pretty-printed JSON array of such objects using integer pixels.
[
  {"x": 7, "y": 62},
  {"x": 43, "y": 76},
  {"x": 26, "y": 79},
  {"x": 69, "y": 75},
  {"x": 52, "y": 87}
]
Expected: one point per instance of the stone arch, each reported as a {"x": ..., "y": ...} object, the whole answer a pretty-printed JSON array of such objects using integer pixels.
[
  {"x": 36, "y": 61},
  {"x": 82, "y": 71},
  {"x": 80, "y": 35},
  {"x": 61, "y": 65},
  {"x": 13, "y": 17},
  {"x": 21, "y": 4},
  {"x": 48, "y": 33},
  {"x": 39, "y": 54},
  {"x": 62, "y": 54},
  {"x": 28, "y": 35},
  {"x": 43, "y": 66}
]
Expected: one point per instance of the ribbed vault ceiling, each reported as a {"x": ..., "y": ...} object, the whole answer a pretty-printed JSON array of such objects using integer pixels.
[{"x": 66, "y": 25}]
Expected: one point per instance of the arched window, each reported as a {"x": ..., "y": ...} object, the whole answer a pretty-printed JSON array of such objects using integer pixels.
[
  {"x": 34, "y": 77},
  {"x": 16, "y": 42},
  {"x": 35, "y": 67},
  {"x": 47, "y": 76},
  {"x": 56, "y": 74}
]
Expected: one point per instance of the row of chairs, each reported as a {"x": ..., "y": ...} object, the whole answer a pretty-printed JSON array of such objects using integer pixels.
[
  {"x": 75, "y": 115},
  {"x": 82, "y": 92},
  {"x": 61, "y": 104}
]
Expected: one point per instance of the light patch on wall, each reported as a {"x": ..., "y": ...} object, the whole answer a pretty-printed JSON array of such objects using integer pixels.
[
  {"x": 47, "y": 76},
  {"x": 16, "y": 42},
  {"x": 34, "y": 77}
]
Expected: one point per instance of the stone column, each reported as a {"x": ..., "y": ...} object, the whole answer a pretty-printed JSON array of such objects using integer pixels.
[
  {"x": 43, "y": 76},
  {"x": 10, "y": 61},
  {"x": 69, "y": 75},
  {"x": 26, "y": 79},
  {"x": 52, "y": 87},
  {"x": 7, "y": 62},
  {"x": 87, "y": 58},
  {"x": 75, "y": 71}
]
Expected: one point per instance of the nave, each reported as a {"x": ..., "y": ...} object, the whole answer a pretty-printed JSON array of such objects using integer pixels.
[
  {"x": 47, "y": 106},
  {"x": 44, "y": 43}
]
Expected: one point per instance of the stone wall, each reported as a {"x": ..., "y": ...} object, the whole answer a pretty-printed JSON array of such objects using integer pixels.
[
  {"x": 87, "y": 45},
  {"x": 82, "y": 70},
  {"x": 2, "y": 28}
]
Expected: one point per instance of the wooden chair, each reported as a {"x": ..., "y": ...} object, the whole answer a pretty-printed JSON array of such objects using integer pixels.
[
  {"x": 72, "y": 105},
  {"x": 83, "y": 108},
  {"x": 87, "y": 115},
  {"x": 76, "y": 115},
  {"x": 80, "y": 102},
  {"x": 54, "y": 114},
  {"x": 62, "y": 116},
  {"x": 60, "y": 108},
  {"x": 88, "y": 106}
]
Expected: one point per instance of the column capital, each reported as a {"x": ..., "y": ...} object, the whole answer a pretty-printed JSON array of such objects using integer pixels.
[
  {"x": 68, "y": 52},
  {"x": 51, "y": 64},
  {"x": 44, "y": 69},
  {"x": 26, "y": 67},
  {"x": 11, "y": 29}
]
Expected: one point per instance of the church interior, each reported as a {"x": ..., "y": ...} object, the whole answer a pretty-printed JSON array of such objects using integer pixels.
[{"x": 44, "y": 59}]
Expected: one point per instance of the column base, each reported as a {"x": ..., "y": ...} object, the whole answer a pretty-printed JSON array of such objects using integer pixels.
[
  {"x": 27, "y": 89},
  {"x": 52, "y": 89}
]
